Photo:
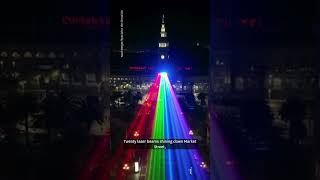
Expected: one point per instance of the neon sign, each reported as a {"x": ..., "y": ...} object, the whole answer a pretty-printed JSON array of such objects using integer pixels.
[{"x": 86, "y": 20}]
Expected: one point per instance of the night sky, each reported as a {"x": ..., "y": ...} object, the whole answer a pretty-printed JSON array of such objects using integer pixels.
[
  {"x": 186, "y": 23},
  {"x": 284, "y": 22},
  {"x": 41, "y": 21}
]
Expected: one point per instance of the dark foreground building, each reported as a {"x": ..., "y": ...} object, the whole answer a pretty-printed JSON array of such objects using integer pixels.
[
  {"x": 54, "y": 94},
  {"x": 263, "y": 95}
]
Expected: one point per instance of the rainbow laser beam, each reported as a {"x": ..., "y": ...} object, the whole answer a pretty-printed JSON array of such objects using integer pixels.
[
  {"x": 221, "y": 152},
  {"x": 160, "y": 117},
  {"x": 156, "y": 162},
  {"x": 169, "y": 123}
]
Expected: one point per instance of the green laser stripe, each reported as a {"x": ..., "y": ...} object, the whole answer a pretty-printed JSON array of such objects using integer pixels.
[{"x": 157, "y": 157}]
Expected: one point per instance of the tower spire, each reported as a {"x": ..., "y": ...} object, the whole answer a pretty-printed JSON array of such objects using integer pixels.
[{"x": 162, "y": 18}]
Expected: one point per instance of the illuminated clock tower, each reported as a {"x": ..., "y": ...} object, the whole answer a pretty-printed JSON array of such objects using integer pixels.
[{"x": 163, "y": 43}]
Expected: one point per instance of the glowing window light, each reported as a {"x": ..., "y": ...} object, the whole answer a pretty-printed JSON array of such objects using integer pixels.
[
  {"x": 4, "y": 54},
  {"x": 136, "y": 167},
  {"x": 163, "y": 28},
  {"x": 162, "y": 45},
  {"x": 162, "y": 56}
]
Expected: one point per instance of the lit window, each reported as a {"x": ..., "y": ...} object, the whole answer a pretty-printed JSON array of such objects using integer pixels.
[
  {"x": 4, "y": 54},
  {"x": 40, "y": 55},
  {"x": 162, "y": 56},
  {"x": 162, "y": 44},
  {"x": 239, "y": 83},
  {"x": 52, "y": 55},
  {"x": 277, "y": 84},
  {"x": 27, "y": 55},
  {"x": 163, "y": 28},
  {"x": 91, "y": 78},
  {"x": 163, "y": 35},
  {"x": 61, "y": 55},
  {"x": 219, "y": 62},
  {"x": 66, "y": 66},
  {"x": 15, "y": 55}
]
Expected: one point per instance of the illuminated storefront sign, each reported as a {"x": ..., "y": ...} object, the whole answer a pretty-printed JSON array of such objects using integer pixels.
[{"x": 86, "y": 20}]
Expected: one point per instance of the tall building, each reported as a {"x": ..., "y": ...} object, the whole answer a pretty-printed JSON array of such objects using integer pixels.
[
  {"x": 187, "y": 67},
  {"x": 163, "y": 43},
  {"x": 163, "y": 51}
]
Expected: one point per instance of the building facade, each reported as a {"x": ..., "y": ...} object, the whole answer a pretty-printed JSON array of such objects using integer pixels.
[
  {"x": 138, "y": 71},
  {"x": 80, "y": 71}
]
